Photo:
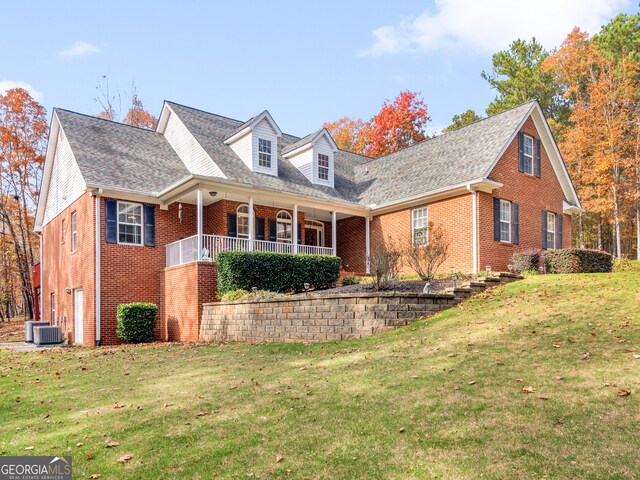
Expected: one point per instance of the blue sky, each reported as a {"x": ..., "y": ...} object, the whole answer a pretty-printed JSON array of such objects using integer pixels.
[{"x": 306, "y": 62}]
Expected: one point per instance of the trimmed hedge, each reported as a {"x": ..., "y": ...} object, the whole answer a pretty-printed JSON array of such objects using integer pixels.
[
  {"x": 136, "y": 322},
  {"x": 576, "y": 260},
  {"x": 526, "y": 260},
  {"x": 276, "y": 272}
]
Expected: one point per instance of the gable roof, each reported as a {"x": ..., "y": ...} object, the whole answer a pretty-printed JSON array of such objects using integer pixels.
[
  {"x": 250, "y": 124},
  {"x": 310, "y": 139},
  {"x": 211, "y": 130},
  {"x": 453, "y": 158},
  {"x": 118, "y": 156}
]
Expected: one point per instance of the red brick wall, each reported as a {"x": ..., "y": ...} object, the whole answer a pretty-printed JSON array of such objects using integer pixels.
[
  {"x": 184, "y": 288},
  {"x": 350, "y": 243},
  {"x": 131, "y": 273},
  {"x": 453, "y": 215},
  {"x": 532, "y": 195},
  {"x": 64, "y": 269}
]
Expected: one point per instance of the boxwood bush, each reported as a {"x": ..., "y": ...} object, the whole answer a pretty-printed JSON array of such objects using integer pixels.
[
  {"x": 276, "y": 272},
  {"x": 577, "y": 260},
  {"x": 526, "y": 260},
  {"x": 136, "y": 322}
]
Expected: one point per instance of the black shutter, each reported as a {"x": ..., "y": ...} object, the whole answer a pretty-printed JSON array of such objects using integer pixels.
[
  {"x": 232, "y": 225},
  {"x": 537, "y": 166},
  {"x": 520, "y": 152},
  {"x": 259, "y": 228},
  {"x": 111, "y": 215},
  {"x": 496, "y": 219},
  {"x": 150, "y": 225},
  {"x": 299, "y": 234},
  {"x": 515, "y": 212},
  {"x": 559, "y": 232},
  {"x": 544, "y": 229},
  {"x": 272, "y": 230}
]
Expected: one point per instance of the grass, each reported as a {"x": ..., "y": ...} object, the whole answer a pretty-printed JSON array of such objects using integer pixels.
[{"x": 442, "y": 398}]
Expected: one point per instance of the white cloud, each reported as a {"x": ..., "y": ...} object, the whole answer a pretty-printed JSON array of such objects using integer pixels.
[
  {"x": 80, "y": 49},
  {"x": 490, "y": 25},
  {"x": 8, "y": 85}
]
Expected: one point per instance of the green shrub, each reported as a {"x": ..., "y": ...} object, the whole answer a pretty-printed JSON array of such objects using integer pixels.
[
  {"x": 350, "y": 280},
  {"x": 136, "y": 322},
  {"x": 626, "y": 265},
  {"x": 526, "y": 260},
  {"x": 576, "y": 260},
  {"x": 238, "y": 295},
  {"x": 276, "y": 272}
]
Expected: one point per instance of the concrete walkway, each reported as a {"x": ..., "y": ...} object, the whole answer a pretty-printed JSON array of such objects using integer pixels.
[{"x": 21, "y": 346}]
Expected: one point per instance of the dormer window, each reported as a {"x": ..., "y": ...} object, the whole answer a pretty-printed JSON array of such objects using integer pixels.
[
  {"x": 323, "y": 167},
  {"x": 264, "y": 153}
]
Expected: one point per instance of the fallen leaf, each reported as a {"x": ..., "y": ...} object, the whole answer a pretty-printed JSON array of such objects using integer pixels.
[
  {"x": 472, "y": 382},
  {"x": 636, "y": 356},
  {"x": 168, "y": 404},
  {"x": 528, "y": 389},
  {"x": 559, "y": 377},
  {"x": 279, "y": 458},
  {"x": 519, "y": 380},
  {"x": 201, "y": 414},
  {"x": 401, "y": 430},
  {"x": 125, "y": 458},
  {"x": 118, "y": 405},
  {"x": 88, "y": 457},
  {"x": 456, "y": 387},
  {"x": 95, "y": 475},
  {"x": 79, "y": 444},
  {"x": 111, "y": 444},
  {"x": 624, "y": 393},
  {"x": 542, "y": 397},
  {"x": 28, "y": 448},
  {"x": 586, "y": 356}
]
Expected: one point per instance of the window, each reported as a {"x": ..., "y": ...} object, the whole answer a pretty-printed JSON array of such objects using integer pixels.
[
  {"x": 243, "y": 221},
  {"x": 551, "y": 230},
  {"x": 527, "y": 161},
  {"x": 264, "y": 153},
  {"x": 420, "y": 226},
  {"x": 284, "y": 233},
  {"x": 323, "y": 167},
  {"x": 53, "y": 308},
  {"x": 74, "y": 231},
  {"x": 130, "y": 223},
  {"x": 505, "y": 221},
  {"x": 64, "y": 230}
]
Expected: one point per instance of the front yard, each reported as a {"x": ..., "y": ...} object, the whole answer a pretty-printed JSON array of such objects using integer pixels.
[{"x": 538, "y": 378}]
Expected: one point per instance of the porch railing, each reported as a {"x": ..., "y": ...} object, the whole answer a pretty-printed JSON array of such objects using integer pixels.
[{"x": 186, "y": 250}]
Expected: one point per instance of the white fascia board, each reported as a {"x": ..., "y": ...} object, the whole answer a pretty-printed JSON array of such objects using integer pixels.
[
  {"x": 322, "y": 133},
  {"x": 571, "y": 209},
  {"x": 238, "y": 136},
  {"x": 271, "y": 121},
  {"x": 164, "y": 117},
  {"x": 299, "y": 150}
]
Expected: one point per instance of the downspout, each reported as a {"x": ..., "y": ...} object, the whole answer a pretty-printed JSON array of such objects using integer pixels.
[
  {"x": 41, "y": 299},
  {"x": 97, "y": 282},
  {"x": 474, "y": 228}
]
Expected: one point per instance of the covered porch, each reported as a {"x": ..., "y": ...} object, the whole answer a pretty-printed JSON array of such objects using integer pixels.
[{"x": 231, "y": 220}]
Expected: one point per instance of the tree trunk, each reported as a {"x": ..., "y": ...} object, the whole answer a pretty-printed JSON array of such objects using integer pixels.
[
  {"x": 581, "y": 230},
  {"x": 600, "y": 246},
  {"x": 638, "y": 232},
  {"x": 616, "y": 222}
]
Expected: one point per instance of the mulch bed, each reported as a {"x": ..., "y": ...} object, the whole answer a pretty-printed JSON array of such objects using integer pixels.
[{"x": 404, "y": 286}]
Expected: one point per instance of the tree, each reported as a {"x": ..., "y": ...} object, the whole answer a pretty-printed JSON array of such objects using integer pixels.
[
  {"x": 349, "y": 134},
  {"x": 518, "y": 78},
  {"x": 462, "y": 119},
  {"x": 23, "y": 132},
  {"x": 111, "y": 105},
  {"x": 399, "y": 124}
]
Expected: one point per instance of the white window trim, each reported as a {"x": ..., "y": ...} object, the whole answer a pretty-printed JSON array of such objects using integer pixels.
[
  {"x": 282, "y": 220},
  {"x": 533, "y": 153},
  {"x": 505, "y": 202},
  {"x": 413, "y": 224},
  {"x": 74, "y": 231},
  {"x": 239, "y": 215},
  {"x": 323, "y": 168},
  {"x": 270, "y": 166},
  {"x": 141, "y": 244},
  {"x": 551, "y": 230}
]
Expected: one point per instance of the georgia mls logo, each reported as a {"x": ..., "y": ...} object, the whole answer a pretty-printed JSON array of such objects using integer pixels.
[{"x": 35, "y": 468}]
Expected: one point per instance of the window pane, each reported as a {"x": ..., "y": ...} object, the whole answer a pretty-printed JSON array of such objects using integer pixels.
[
  {"x": 130, "y": 213},
  {"x": 528, "y": 146},
  {"x": 243, "y": 226},
  {"x": 130, "y": 233},
  {"x": 264, "y": 153},
  {"x": 505, "y": 211}
]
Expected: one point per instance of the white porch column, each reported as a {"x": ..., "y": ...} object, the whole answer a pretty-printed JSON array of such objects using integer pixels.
[
  {"x": 199, "y": 193},
  {"x": 251, "y": 225},
  {"x": 294, "y": 227},
  {"x": 334, "y": 236},
  {"x": 474, "y": 216},
  {"x": 367, "y": 243}
]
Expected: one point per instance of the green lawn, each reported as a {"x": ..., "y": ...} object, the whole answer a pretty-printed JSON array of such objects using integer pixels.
[{"x": 442, "y": 398}]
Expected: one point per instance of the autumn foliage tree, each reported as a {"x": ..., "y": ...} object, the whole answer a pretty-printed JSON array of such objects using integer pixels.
[
  {"x": 399, "y": 123},
  {"x": 23, "y": 132},
  {"x": 110, "y": 102}
]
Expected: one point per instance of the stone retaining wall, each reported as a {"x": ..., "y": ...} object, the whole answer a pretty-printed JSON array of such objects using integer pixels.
[{"x": 314, "y": 317}]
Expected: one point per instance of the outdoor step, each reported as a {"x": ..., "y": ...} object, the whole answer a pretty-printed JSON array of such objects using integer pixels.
[{"x": 489, "y": 279}]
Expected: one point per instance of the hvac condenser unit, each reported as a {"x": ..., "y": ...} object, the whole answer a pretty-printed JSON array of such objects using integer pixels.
[
  {"x": 28, "y": 329},
  {"x": 47, "y": 335}
]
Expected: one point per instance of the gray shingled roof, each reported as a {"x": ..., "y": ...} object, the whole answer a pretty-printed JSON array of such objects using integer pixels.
[
  {"x": 210, "y": 130},
  {"x": 300, "y": 143},
  {"x": 112, "y": 154},
  {"x": 449, "y": 159}
]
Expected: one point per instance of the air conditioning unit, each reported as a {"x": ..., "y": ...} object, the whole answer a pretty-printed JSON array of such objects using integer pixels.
[
  {"x": 28, "y": 329},
  {"x": 47, "y": 335}
]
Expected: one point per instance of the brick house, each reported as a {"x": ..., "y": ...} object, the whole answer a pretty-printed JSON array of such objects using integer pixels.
[{"x": 128, "y": 214}]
